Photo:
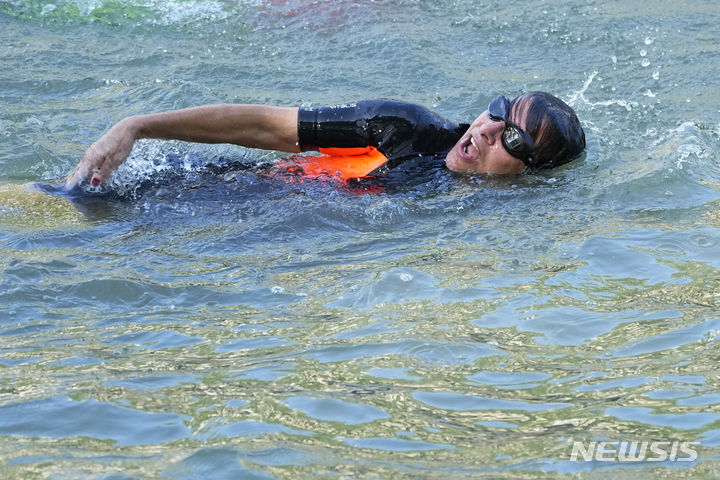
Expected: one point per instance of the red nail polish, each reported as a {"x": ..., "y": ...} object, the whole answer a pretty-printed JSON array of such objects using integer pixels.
[{"x": 95, "y": 182}]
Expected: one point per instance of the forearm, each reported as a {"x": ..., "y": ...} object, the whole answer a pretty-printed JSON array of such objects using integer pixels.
[{"x": 254, "y": 126}]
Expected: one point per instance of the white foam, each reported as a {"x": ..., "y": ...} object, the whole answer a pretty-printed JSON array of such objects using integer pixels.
[
  {"x": 162, "y": 12},
  {"x": 49, "y": 8},
  {"x": 147, "y": 159},
  {"x": 184, "y": 12}
]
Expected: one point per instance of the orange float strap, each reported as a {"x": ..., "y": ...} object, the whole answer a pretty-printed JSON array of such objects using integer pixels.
[{"x": 342, "y": 163}]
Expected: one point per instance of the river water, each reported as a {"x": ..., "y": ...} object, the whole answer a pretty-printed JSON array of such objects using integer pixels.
[{"x": 201, "y": 320}]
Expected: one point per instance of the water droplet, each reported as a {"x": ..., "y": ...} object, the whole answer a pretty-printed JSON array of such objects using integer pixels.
[
  {"x": 656, "y": 74},
  {"x": 614, "y": 59},
  {"x": 277, "y": 289},
  {"x": 649, "y": 40},
  {"x": 645, "y": 62},
  {"x": 405, "y": 277},
  {"x": 643, "y": 53}
]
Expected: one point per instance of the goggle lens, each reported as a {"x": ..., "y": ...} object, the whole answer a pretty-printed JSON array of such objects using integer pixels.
[
  {"x": 516, "y": 142},
  {"x": 513, "y": 140}
]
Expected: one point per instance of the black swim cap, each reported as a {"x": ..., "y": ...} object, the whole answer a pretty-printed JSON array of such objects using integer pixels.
[{"x": 555, "y": 129}]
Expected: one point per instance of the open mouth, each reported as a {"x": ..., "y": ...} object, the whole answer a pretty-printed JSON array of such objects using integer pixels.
[{"x": 468, "y": 149}]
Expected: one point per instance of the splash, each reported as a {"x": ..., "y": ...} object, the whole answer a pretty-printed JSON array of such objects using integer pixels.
[
  {"x": 153, "y": 162},
  {"x": 115, "y": 12},
  {"x": 580, "y": 95},
  {"x": 685, "y": 144}
]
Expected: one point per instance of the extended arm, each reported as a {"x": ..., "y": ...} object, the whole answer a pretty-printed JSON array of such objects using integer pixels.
[{"x": 254, "y": 126}]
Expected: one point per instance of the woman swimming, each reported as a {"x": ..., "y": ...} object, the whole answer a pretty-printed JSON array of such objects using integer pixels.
[{"x": 531, "y": 132}]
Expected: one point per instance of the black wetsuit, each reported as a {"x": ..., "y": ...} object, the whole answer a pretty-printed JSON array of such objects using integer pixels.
[{"x": 399, "y": 130}]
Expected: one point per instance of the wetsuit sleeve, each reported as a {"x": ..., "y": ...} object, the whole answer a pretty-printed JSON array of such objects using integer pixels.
[{"x": 397, "y": 129}]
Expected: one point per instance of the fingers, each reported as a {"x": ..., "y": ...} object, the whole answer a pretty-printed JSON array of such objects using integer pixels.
[
  {"x": 103, "y": 157},
  {"x": 88, "y": 166},
  {"x": 102, "y": 171},
  {"x": 77, "y": 175},
  {"x": 71, "y": 180}
]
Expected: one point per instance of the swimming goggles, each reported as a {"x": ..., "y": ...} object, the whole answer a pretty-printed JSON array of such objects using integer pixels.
[{"x": 516, "y": 142}]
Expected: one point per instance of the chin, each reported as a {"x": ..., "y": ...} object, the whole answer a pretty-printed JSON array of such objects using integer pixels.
[
  {"x": 451, "y": 162},
  {"x": 457, "y": 165}
]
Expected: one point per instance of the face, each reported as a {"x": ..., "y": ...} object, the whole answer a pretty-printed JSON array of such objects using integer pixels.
[{"x": 480, "y": 150}]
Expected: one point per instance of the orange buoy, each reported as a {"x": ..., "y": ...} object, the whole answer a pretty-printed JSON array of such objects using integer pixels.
[{"x": 342, "y": 163}]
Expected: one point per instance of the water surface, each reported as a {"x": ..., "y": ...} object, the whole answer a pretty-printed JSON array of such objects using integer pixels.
[{"x": 202, "y": 320}]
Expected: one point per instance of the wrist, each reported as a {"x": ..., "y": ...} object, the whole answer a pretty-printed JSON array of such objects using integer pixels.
[{"x": 133, "y": 126}]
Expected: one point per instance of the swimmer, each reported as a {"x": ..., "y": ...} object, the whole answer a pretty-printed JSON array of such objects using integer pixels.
[{"x": 531, "y": 132}]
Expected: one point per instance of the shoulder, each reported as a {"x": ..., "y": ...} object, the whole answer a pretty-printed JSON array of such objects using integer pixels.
[
  {"x": 395, "y": 108},
  {"x": 372, "y": 107}
]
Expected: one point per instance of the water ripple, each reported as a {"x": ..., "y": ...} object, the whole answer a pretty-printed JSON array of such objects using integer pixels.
[{"x": 61, "y": 417}]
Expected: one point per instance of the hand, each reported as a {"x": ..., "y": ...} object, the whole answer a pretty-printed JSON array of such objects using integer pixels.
[{"x": 105, "y": 155}]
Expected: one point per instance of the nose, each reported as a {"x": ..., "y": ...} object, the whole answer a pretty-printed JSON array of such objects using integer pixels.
[{"x": 492, "y": 130}]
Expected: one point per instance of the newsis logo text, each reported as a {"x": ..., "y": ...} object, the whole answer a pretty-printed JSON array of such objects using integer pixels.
[{"x": 656, "y": 451}]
